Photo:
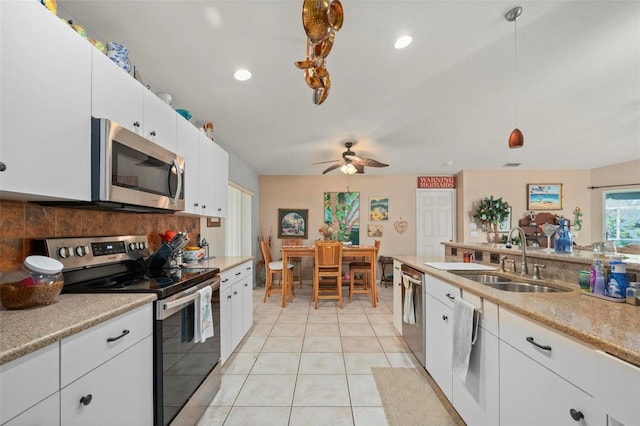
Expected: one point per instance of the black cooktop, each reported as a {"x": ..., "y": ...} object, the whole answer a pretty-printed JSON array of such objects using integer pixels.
[{"x": 129, "y": 278}]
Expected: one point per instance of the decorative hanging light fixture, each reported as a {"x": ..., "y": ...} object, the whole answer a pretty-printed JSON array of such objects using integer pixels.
[
  {"x": 320, "y": 19},
  {"x": 516, "y": 138}
]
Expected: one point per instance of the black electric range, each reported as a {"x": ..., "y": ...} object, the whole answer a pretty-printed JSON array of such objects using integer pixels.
[{"x": 117, "y": 264}]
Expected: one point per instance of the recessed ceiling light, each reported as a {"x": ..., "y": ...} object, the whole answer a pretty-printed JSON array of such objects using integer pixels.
[
  {"x": 403, "y": 42},
  {"x": 242, "y": 75},
  {"x": 447, "y": 164},
  {"x": 511, "y": 164}
]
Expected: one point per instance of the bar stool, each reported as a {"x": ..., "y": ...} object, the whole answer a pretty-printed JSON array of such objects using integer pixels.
[
  {"x": 297, "y": 261},
  {"x": 384, "y": 261},
  {"x": 328, "y": 265},
  {"x": 273, "y": 268},
  {"x": 367, "y": 283}
]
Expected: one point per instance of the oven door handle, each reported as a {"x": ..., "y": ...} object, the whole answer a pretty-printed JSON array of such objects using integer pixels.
[{"x": 181, "y": 301}]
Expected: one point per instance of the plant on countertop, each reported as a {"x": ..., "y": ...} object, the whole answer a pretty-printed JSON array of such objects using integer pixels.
[{"x": 491, "y": 212}]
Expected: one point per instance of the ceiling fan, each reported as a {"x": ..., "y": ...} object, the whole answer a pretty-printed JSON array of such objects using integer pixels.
[{"x": 351, "y": 163}]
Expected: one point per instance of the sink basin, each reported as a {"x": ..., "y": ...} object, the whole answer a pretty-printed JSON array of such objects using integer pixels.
[
  {"x": 507, "y": 284},
  {"x": 485, "y": 278},
  {"x": 523, "y": 287}
]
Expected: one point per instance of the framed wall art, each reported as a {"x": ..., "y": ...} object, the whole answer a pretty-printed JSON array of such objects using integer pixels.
[
  {"x": 505, "y": 225},
  {"x": 213, "y": 222},
  {"x": 378, "y": 208},
  {"x": 293, "y": 223},
  {"x": 342, "y": 212},
  {"x": 544, "y": 196},
  {"x": 374, "y": 231}
]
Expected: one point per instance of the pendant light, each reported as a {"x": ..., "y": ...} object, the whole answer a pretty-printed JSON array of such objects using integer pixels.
[{"x": 516, "y": 138}]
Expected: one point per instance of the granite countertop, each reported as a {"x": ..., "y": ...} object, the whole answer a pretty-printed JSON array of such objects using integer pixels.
[
  {"x": 27, "y": 330},
  {"x": 608, "y": 326},
  {"x": 224, "y": 262}
]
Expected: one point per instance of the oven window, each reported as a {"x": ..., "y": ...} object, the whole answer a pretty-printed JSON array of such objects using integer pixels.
[
  {"x": 136, "y": 170},
  {"x": 186, "y": 364}
]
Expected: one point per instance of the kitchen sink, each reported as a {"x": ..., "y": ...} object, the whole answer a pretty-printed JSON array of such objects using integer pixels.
[
  {"x": 507, "y": 284},
  {"x": 485, "y": 278}
]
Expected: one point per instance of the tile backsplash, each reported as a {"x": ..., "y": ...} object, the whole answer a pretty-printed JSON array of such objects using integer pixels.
[{"x": 21, "y": 222}]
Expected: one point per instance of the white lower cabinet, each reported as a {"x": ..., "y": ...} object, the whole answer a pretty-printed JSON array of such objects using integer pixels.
[
  {"x": 531, "y": 394},
  {"x": 476, "y": 398},
  {"x": 236, "y": 306},
  {"x": 438, "y": 341},
  {"x": 26, "y": 382},
  {"x": 618, "y": 390},
  {"x": 120, "y": 390},
  {"x": 46, "y": 412},
  {"x": 397, "y": 296}
]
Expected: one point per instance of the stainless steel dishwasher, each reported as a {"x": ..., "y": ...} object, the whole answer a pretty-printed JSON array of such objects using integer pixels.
[{"x": 413, "y": 310}]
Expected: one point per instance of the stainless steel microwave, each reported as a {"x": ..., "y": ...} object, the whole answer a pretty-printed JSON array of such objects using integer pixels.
[{"x": 130, "y": 172}]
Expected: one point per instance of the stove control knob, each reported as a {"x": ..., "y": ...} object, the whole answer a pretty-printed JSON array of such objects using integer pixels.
[
  {"x": 143, "y": 245},
  {"x": 139, "y": 246},
  {"x": 133, "y": 246},
  {"x": 82, "y": 250},
  {"x": 65, "y": 252}
]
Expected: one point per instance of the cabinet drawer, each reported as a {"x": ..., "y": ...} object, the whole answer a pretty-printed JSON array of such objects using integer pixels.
[
  {"x": 46, "y": 413},
  {"x": 489, "y": 315},
  {"x": 568, "y": 358},
  {"x": 442, "y": 291},
  {"x": 235, "y": 274},
  {"x": 28, "y": 380},
  {"x": 84, "y": 351}
]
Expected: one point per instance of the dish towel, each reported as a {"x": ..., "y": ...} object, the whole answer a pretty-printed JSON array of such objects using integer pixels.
[
  {"x": 203, "y": 323},
  {"x": 408, "y": 311},
  {"x": 464, "y": 335}
]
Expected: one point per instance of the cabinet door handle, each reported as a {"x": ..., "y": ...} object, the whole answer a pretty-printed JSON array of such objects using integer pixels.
[
  {"x": 225, "y": 280},
  {"x": 3, "y": 167},
  {"x": 86, "y": 400},
  {"x": 576, "y": 415},
  {"x": 228, "y": 296},
  {"x": 235, "y": 292},
  {"x": 238, "y": 273},
  {"x": 533, "y": 342},
  {"x": 204, "y": 206},
  {"x": 450, "y": 296},
  {"x": 444, "y": 317},
  {"x": 113, "y": 339},
  {"x": 246, "y": 285},
  {"x": 152, "y": 133},
  {"x": 136, "y": 124}
]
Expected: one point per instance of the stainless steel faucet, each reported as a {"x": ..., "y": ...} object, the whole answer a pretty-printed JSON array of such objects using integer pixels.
[{"x": 523, "y": 240}]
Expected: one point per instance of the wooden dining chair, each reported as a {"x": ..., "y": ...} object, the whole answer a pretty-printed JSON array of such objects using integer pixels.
[
  {"x": 275, "y": 268},
  {"x": 327, "y": 272},
  {"x": 296, "y": 261},
  {"x": 365, "y": 284}
]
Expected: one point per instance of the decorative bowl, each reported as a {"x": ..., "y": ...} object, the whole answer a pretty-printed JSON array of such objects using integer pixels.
[{"x": 185, "y": 113}]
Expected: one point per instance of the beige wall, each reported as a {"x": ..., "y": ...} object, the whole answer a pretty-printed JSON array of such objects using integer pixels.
[
  {"x": 306, "y": 192},
  {"x": 472, "y": 185},
  {"x": 618, "y": 174},
  {"x": 511, "y": 185}
]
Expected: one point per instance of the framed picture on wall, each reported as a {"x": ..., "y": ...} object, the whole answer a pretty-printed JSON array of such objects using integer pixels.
[
  {"x": 293, "y": 223},
  {"x": 505, "y": 225},
  {"x": 378, "y": 208},
  {"x": 374, "y": 231},
  {"x": 544, "y": 196}
]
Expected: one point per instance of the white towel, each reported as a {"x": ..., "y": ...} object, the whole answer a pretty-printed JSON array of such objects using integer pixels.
[
  {"x": 409, "y": 313},
  {"x": 463, "y": 336},
  {"x": 203, "y": 322}
]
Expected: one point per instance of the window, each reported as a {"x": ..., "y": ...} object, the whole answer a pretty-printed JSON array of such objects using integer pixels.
[
  {"x": 622, "y": 217},
  {"x": 238, "y": 223}
]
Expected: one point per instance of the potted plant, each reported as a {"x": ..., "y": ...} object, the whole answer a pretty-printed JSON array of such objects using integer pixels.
[{"x": 491, "y": 212}]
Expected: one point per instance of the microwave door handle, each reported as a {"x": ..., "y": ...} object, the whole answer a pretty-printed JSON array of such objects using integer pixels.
[{"x": 174, "y": 200}]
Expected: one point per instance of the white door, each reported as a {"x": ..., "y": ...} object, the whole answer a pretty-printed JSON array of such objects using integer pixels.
[{"x": 436, "y": 210}]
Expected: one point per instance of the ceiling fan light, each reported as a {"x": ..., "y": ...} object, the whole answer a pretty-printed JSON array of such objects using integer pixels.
[
  {"x": 242, "y": 75},
  {"x": 348, "y": 169},
  {"x": 403, "y": 42}
]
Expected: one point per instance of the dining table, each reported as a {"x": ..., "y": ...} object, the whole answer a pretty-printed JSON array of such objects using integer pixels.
[{"x": 364, "y": 251}]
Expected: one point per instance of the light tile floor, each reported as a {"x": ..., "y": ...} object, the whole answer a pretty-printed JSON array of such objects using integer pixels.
[{"x": 302, "y": 366}]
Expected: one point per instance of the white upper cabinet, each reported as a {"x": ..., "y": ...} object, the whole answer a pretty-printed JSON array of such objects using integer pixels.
[
  {"x": 207, "y": 176},
  {"x": 188, "y": 147},
  {"x": 116, "y": 95},
  {"x": 221, "y": 179},
  {"x": 45, "y": 76}
]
